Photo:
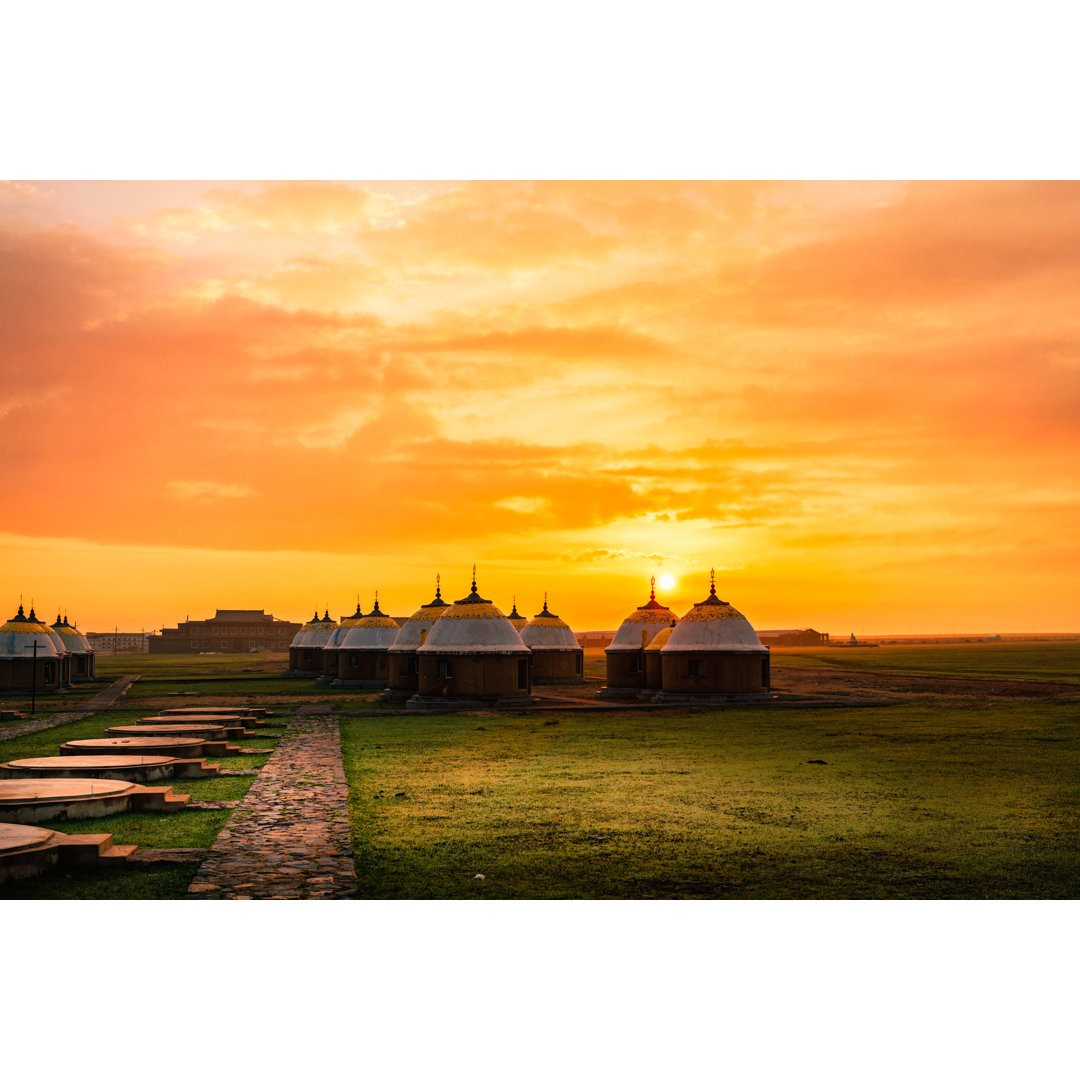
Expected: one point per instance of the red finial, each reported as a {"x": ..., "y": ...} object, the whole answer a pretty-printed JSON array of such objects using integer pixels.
[{"x": 652, "y": 590}]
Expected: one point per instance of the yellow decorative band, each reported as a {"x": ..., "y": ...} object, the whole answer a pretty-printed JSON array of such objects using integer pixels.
[{"x": 710, "y": 616}]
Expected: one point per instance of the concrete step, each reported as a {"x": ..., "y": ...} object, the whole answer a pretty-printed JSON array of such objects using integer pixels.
[
  {"x": 119, "y": 853},
  {"x": 92, "y": 850},
  {"x": 175, "y": 802},
  {"x": 196, "y": 768}
]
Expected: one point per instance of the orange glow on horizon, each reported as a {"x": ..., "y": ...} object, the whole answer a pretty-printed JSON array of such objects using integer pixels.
[{"x": 857, "y": 401}]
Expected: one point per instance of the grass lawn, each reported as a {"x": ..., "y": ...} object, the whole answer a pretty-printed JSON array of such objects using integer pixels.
[
  {"x": 910, "y": 801},
  {"x": 160, "y": 883},
  {"x": 1053, "y": 661}
]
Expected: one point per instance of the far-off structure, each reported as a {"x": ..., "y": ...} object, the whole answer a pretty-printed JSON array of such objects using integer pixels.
[
  {"x": 37, "y": 657},
  {"x": 472, "y": 654},
  {"x": 556, "y": 655}
]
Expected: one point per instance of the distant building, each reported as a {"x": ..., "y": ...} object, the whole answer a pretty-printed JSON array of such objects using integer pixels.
[
  {"x": 119, "y": 640},
  {"x": 229, "y": 631},
  {"x": 793, "y": 637}
]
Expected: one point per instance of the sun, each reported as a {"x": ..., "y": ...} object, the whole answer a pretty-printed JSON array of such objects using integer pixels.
[{"x": 666, "y": 581}]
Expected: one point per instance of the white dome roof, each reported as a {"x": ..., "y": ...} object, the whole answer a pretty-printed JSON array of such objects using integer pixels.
[
  {"x": 304, "y": 634},
  {"x": 473, "y": 625},
  {"x": 17, "y": 637},
  {"x": 408, "y": 639},
  {"x": 649, "y": 619},
  {"x": 713, "y": 626},
  {"x": 548, "y": 633},
  {"x": 73, "y": 641},
  {"x": 518, "y": 622},
  {"x": 372, "y": 633},
  {"x": 314, "y": 634},
  {"x": 336, "y": 638}
]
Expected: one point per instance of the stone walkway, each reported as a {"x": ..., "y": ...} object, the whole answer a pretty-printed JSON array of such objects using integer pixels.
[
  {"x": 289, "y": 838},
  {"x": 103, "y": 700}
]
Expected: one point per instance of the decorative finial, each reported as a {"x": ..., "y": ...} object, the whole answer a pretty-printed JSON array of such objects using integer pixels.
[
  {"x": 438, "y": 586},
  {"x": 545, "y": 599},
  {"x": 712, "y": 582},
  {"x": 375, "y": 610},
  {"x": 652, "y": 587},
  {"x": 474, "y": 577}
]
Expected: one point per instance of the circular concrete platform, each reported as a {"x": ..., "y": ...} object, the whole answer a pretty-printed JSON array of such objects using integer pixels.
[
  {"x": 176, "y": 747},
  {"x": 203, "y": 731},
  {"x": 106, "y": 766},
  {"x": 229, "y": 710},
  {"x": 231, "y": 720},
  {"x": 27, "y": 851},
  {"x": 15, "y": 838},
  {"x": 37, "y": 790},
  {"x": 33, "y": 801}
]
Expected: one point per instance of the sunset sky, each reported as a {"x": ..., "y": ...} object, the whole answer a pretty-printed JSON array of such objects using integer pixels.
[{"x": 860, "y": 402}]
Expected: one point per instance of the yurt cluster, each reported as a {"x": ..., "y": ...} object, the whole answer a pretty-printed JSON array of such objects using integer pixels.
[
  {"x": 469, "y": 653},
  {"x": 36, "y": 656}
]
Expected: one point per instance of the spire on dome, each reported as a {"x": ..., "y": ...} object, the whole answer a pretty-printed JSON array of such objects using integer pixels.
[
  {"x": 712, "y": 598},
  {"x": 375, "y": 610},
  {"x": 438, "y": 601},
  {"x": 20, "y": 617},
  {"x": 474, "y": 597},
  {"x": 652, "y": 587}
]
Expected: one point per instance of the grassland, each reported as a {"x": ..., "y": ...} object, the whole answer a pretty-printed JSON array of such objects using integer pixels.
[
  {"x": 903, "y": 802},
  {"x": 1053, "y": 661},
  {"x": 936, "y": 797}
]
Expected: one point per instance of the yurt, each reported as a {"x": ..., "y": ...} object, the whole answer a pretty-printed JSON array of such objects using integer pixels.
[
  {"x": 626, "y": 653},
  {"x": 713, "y": 652},
  {"x": 403, "y": 663},
  {"x": 363, "y": 662},
  {"x": 556, "y": 655},
  {"x": 472, "y": 655}
]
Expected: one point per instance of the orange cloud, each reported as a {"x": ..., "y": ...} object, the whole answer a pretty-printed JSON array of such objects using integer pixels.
[{"x": 808, "y": 382}]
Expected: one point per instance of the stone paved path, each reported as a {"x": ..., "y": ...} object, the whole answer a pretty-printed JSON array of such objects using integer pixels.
[
  {"x": 289, "y": 838},
  {"x": 107, "y": 697}
]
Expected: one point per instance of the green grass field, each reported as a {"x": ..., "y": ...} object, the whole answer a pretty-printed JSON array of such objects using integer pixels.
[
  {"x": 902, "y": 802},
  {"x": 1053, "y": 661},
  {"x": 953, "y": 799}
]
